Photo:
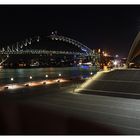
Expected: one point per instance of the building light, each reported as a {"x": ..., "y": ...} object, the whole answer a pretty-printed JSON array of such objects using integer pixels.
[
  {"x": 105, "y": 54},
  {"x": 99, "y": 50}
]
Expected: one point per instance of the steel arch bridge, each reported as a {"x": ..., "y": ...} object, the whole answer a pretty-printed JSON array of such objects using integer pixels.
[
  {"x": 78, "y": 44},
  {"x": 23, "y": 47}
]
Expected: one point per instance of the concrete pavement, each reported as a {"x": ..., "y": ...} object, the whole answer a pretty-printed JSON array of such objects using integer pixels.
[{"x": 58, "y": 109}]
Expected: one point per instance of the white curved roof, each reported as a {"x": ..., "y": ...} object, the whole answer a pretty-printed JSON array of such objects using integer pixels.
[{"x": 135, "y": 49}]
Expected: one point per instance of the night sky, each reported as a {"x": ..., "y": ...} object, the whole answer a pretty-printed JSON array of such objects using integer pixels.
[{"x": 112, "y": 28}]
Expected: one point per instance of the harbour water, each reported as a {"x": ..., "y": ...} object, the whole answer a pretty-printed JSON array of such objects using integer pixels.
[{"x": 23, "y": 75}]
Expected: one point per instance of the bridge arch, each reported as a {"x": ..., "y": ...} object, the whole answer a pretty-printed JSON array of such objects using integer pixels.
[
  {"x": 28, "y": 47},
  {"x": 78, "y": 44}
]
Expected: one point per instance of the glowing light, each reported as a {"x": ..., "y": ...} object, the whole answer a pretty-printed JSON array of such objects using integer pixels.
[
  {"x": 105, "y": 54},
  {"x": 6, "y": 87},
  {"x": 31, "y": 77},
  {"x": 83, "y": 49},
  {"x": 61, "y": 80},
  {"x": 46, "y": 76},
  {"x": 44, "y": 83},
  {"x": 91, "y": 73},
  {"x": 115, "y": 63},
  {"x": 34, "y": 84},
  {"x": 12, "y": 79},
  {"x": 1, "y": 66},
  {"x": 15, "y": 86},
  {"x": 49, "y": 82},
  {"x": 58, "y": 80},
  {"x": 59, "y": 74},
  {"x": 105, "y": 68},
  {"x": 84, "y": 67},
  {"x": 27, "y": 85},
  {"x": 31, "y": 84},
  {"x": 89, "y": 81}
]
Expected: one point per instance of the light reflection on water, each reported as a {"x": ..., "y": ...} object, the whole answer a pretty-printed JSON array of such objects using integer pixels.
[{"x": 22, "y": 75}]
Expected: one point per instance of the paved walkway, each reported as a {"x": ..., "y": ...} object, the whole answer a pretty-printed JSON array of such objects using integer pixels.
[{"x": 121, "y": 83}]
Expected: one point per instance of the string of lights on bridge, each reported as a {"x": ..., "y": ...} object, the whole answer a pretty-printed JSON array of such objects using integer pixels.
[
  {"x": 19, "y": 46},
  {"x": 22, "y": 47}
]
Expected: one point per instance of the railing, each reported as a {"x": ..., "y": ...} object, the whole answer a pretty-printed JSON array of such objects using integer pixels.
[{"x": 40, "y": 52}]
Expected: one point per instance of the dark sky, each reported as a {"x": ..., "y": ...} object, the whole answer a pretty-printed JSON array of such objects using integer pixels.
[{"x": 97, "y": 26}]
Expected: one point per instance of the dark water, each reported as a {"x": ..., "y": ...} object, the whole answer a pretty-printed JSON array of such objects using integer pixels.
[{"x": 22, "y": 75}]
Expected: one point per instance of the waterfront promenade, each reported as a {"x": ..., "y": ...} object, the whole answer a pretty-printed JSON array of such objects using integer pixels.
[{"x": 68, "y": 109}]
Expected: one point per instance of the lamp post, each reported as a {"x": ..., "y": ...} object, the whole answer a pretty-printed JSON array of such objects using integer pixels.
[
  {"x": 46, "y": 76},
  {"x": 91, "y": 73},
  {"x": 45, "y": 81},
  {"x": 12, "y": 79},
  {"x": 31, "y": 78},
  {"x": 59, "y": 75}
]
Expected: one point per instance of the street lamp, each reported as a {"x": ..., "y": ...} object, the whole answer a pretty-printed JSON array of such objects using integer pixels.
[
  {"x": 31, "y": 77},
  {"x": 12, "y": 79},
  {"x": 91, "y": 73},
  {"x": 59, "y": 79},
  {"x": 45, "y": 81}
]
